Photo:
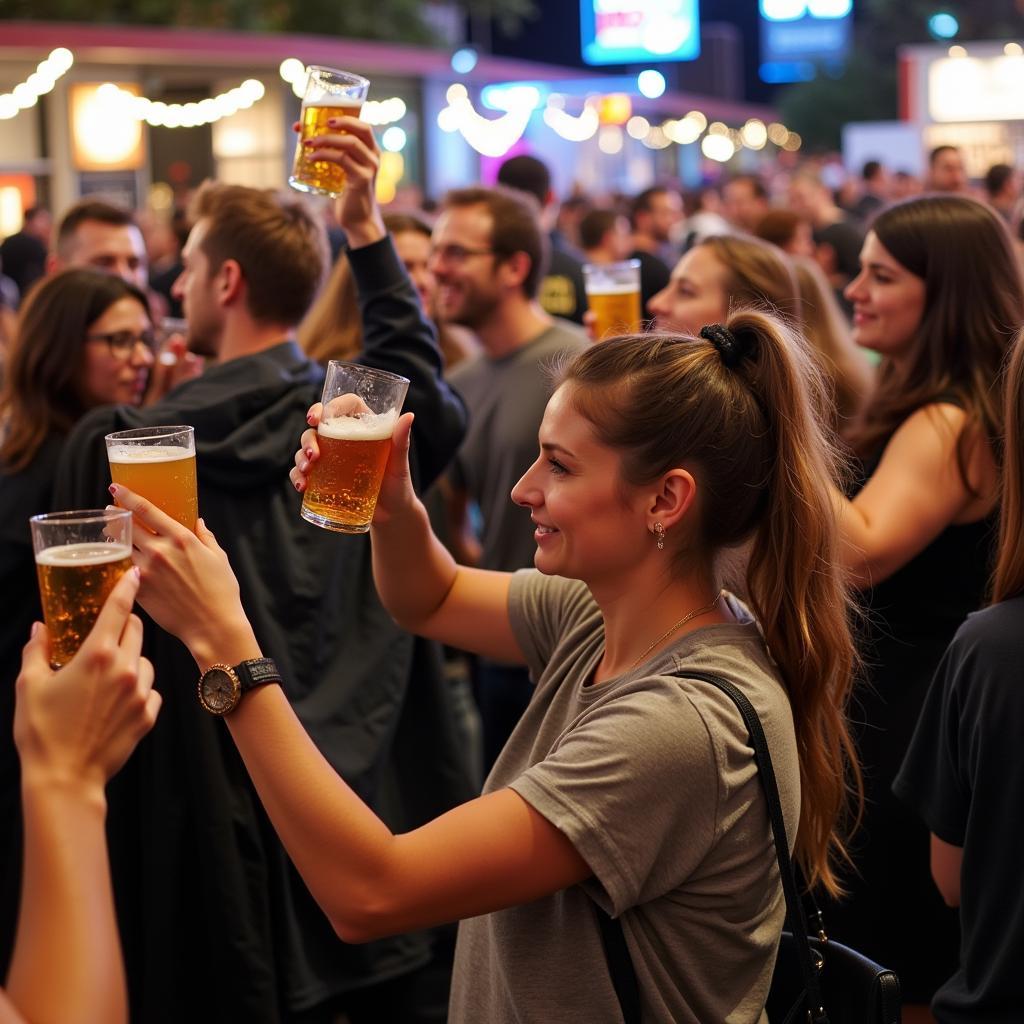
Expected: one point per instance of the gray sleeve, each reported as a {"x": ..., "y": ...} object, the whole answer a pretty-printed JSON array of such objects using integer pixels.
[
  {"x": 635, "y": 787},
  {"x": 541, "y": 609}
]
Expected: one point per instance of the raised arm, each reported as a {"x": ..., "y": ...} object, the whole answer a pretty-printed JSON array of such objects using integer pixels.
[
  {"x": 916, "y": 492},
  {"x": 74, "y": 729},
  {"x": 397, "y": 336},
  {"x": 490, "y": 853}
]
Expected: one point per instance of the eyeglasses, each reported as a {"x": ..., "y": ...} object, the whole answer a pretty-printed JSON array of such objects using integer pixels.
[
  {"x": 456, "y": 253},
  {"x": 122, "y": 343}
]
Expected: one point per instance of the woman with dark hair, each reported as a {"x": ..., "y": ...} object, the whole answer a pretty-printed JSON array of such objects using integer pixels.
[
  {"x": 961, "y": 772},
  {"x": 83, "y": 339},
  {"x": 629, "y": 782},
  {"x": 939, "y": 297}
]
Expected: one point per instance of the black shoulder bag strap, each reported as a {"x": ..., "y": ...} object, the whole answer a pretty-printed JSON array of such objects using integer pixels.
[{"x": 614, "y": 941}]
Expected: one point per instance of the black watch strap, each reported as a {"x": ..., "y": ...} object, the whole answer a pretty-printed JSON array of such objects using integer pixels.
[{"x": 257, "y": 672}]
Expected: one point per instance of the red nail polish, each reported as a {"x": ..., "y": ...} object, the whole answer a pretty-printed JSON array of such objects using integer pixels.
[{"x": 113, "y": 489}]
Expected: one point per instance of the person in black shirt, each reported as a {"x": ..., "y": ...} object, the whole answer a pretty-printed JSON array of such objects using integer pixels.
[
  {"x": 561, "y": 288},
  {"x": 23, "y": 255},
  {"x": 962, "y": 772}
]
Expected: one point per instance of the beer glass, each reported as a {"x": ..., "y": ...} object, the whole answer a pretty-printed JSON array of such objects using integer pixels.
[
  {"x": 613, "y": 295},
  {"x": 329, "y": 93},
  {"x": 158, "y": 463},
  {"x": 361, "y": 408},
  {"x": 79, "y": 558}
]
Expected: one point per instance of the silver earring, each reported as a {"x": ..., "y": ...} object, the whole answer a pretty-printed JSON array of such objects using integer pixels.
[{"x": 659, "y": 532}]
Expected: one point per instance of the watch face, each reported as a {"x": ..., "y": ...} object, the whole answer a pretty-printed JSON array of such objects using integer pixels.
[{"x": 219, "y": 690}]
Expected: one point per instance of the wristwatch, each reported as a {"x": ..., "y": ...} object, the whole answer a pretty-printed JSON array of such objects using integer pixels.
[{"x": 221, "y": 687}]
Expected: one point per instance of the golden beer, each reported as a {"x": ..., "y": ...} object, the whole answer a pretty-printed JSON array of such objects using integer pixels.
[
  {"x": 309, "y": 174},
  {"x": 74, "y": 581},
  {"x": 343, "y": 484},
  {"x": 165, "y": 474},
  {"x": 617, "y": 311}
]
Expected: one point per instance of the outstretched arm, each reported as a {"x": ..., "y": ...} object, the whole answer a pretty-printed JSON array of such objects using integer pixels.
[{"x": 490, "y": 853}]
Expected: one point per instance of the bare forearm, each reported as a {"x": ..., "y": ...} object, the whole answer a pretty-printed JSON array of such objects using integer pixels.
[
  {"x": 67, "y": 965},
  {"x": 411, "y": 568}
]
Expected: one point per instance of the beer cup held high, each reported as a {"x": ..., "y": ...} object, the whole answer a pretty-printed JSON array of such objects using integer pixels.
[
  {"x": 79, "y": 557},
  {"x": 329, "y": 93},
  {"x": 158, "y": 463},
  {"x": 361, "y": 408}
]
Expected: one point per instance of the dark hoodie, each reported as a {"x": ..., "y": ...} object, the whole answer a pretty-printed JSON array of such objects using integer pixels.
[{"x": 215, "y": 921}]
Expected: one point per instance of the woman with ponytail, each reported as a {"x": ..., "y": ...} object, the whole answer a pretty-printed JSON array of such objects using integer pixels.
[
  {"x": 939, "y": 297},
  {"x": 961, "y": 772},
  {"x": 628, "y": 783}
]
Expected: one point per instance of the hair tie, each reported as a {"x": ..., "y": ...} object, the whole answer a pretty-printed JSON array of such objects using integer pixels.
[{"x": 725, "y": 341}]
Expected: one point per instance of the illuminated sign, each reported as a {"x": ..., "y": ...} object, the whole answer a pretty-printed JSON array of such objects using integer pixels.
[
  {"x": 799, "y": 35},
  {"x": 639, "y": 31},
  {"x": 982, "y": 89}
]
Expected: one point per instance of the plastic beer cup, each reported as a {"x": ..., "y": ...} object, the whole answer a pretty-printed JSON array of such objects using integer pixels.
[
  {"x": 79, "y": 557},
  {"x": 361, "y": 408},
  {"x": 329, "y": 93},
  {"x": 613, "y": 295},
  {"x": 158, "y": 463}
]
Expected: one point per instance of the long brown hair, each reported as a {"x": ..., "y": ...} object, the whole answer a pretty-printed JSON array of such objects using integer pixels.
[
  {"x": 1008, "y": 579},
  {"x": 41, "y": 389},
  {"x": 974, "y": 303},
  {"x": 764, "y": 465}
]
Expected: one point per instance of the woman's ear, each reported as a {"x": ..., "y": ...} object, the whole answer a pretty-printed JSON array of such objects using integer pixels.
[{"x": 674, "y": 498}]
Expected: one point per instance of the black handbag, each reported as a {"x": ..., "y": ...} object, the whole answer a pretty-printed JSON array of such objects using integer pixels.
[{"x": 816, "y": 981}]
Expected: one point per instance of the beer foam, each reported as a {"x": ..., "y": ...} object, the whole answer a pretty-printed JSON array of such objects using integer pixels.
[
  {"x": 367, "y": 426},
  {"x": 610, "y": 288},
  {"x": 122, "y": 453},
  {"x": 89, "y": 553}
]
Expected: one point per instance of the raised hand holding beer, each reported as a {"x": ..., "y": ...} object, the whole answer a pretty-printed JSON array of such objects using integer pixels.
[
  {"x": 396, "y": 490},
  {"x": 330, "y": 94},
  {"x": 361, "y": 406},
  {"x": 350, "y": 144},
  {"x": 80, "y": 556},
  {"x": 80, "y": 724}
]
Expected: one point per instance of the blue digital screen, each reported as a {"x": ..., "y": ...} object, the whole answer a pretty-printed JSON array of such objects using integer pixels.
[
  {"x": 639, "y": 31},
  {"x": 797, "y": 36}
]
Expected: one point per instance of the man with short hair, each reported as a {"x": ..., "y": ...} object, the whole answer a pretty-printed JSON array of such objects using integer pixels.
[
  {"x": 23, "y": 254},
  {"x": 561, "y": 290},
  {"x": 94, "y": 233},
  {"x": 1003, "y": 189},
  {"x": 488, "y": 255},
  {"x": 946, "y": 171},
  {"x": 215, "y": 918},
  {"x": 745, "y": 201},
  {"x": 605, "y": 236}
]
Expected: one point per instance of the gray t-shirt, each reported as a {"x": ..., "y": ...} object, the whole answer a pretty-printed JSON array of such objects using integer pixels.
[
  {"x": 652, "y": 778},
  {"x": 506, "y": 399}
]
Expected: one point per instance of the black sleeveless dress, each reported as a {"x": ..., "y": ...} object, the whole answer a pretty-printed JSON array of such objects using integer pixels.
[{"x": 894, "y": 912}]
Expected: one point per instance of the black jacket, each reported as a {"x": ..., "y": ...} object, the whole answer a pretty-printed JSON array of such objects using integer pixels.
[{"x": 207, "y": 899}]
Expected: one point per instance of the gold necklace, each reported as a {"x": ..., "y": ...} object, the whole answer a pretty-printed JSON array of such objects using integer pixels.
[{"x": 679, "y": 625}]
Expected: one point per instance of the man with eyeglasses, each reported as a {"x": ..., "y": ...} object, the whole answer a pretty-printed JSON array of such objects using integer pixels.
[{"x": 489, "y": 255}]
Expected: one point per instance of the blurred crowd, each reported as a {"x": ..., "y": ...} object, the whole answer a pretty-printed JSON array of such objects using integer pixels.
[{"x": 906, "y": 292}]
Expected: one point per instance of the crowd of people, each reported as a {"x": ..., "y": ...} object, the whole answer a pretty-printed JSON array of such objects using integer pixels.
[{"x": 804, "y": 475}]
